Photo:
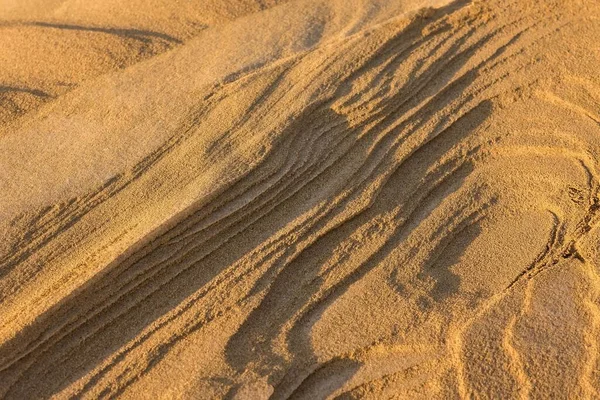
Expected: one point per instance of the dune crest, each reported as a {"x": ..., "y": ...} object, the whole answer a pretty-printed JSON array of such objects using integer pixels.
[{"x": 302, "y": 199}]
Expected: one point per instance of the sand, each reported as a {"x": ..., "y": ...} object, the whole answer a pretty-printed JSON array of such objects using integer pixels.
[{"x": 304, "y": 199}]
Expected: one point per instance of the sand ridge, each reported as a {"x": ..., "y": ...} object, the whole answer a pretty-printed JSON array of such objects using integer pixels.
[{"x": 322, "y": 199}]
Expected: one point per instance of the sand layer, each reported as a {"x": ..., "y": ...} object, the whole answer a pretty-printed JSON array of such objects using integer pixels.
[{"x": 301, "y": 199}]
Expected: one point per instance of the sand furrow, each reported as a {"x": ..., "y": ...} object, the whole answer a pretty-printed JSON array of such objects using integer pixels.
[{"x": 380, "y": 199}]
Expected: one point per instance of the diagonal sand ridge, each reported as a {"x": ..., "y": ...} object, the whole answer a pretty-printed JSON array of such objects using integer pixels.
[{"x": 300, "y": 199}]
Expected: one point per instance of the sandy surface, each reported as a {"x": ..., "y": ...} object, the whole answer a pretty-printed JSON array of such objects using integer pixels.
[{"x": 304, "y": 199}]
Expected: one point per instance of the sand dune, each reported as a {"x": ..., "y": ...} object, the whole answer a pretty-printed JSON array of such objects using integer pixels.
[
  {"x": 299, "y": 199},
  {"x": 50, "y": 47}
]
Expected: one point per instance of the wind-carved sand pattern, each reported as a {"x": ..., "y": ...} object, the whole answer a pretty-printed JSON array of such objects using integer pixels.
[{"x": 306, "y": 199}]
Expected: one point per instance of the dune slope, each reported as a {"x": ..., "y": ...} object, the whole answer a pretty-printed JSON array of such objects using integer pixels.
[{"x": 302, "y": 199}]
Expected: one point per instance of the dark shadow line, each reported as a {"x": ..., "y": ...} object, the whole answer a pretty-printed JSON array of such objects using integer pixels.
[
  {"x": 129, "y": 33},
  {"x": 137, "y": 34},
  {"x": 34, "y": 92}
]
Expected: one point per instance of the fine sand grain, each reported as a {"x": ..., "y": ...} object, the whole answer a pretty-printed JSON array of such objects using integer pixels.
[{"x": 304, "y": 199}]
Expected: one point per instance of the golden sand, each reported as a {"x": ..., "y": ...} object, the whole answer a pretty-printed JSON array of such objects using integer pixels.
[{"x": 301, "y": 199}]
